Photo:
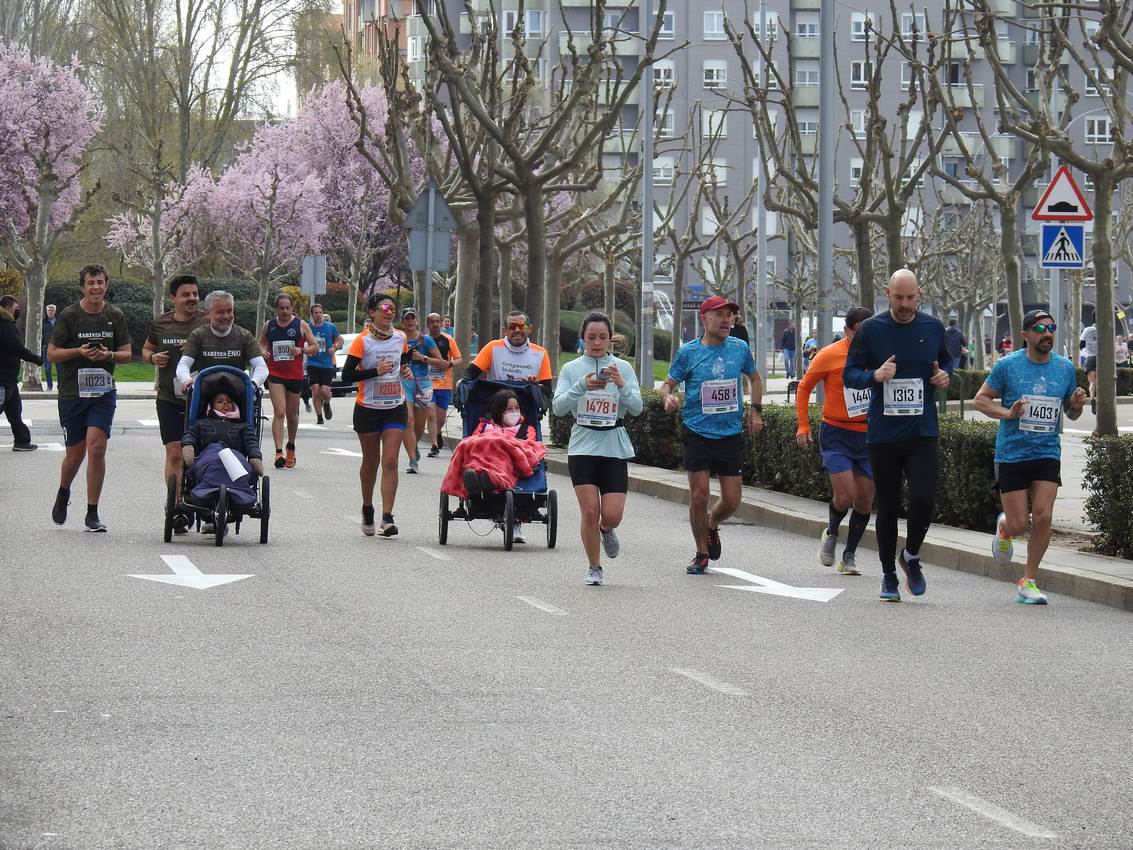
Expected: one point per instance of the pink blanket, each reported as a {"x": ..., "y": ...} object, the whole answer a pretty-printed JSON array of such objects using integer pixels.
[{"x": 505, "y": 458}]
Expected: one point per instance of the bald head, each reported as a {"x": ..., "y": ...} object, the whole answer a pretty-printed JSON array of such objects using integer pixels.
[{"x": 904, "y": 295}]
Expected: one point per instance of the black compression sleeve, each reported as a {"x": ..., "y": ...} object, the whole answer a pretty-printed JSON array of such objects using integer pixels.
[{"x": 351, "y": 374}]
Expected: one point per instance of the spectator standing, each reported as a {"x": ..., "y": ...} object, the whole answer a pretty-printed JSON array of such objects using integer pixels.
[
  {"x": 1121, "y": 351},
  {"x": 810, "y": 348},
  {"x": 787, "y": 344},
  {"x": 955, "y": 341},
  {"x": 12, "y": 352},
  {"x": 1088, "y": 343},
  {"x": 49, "y": 369}
]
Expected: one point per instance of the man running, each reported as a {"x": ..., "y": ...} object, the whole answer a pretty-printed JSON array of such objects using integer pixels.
[
  {"x": 284, "y": 340},
  {"x": 320, "y": 366},
  {"x": 1036, "y": 386},
  {"x": 441, "y": 376},
  {"x": 842, "y": 440},
  {"x": 711, "y": 368},
  {"x": 513, "y": 357},
  {"x": 163, "y": 348},
  {"x": 897, "y": 354},
  {"x": 89, "y": 338},
  {"x": 423, "y": 357},
  {"x": 1088, "y": 343}
]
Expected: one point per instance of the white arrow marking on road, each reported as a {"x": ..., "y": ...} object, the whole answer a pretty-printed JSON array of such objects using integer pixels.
[
  {"x": 43, "y": 447},
  {"x": 341, "y": 452},
  {"x": 303, "y": 495},
  {"x": 774, "y": 588},
  {"x": 311, "y": 426},
  {"x": 186, "y": 574},
  {"x": 710, "y": 682},
  {"x": 440, "y": 556},
  {"x": 541, "y": 605},
  {"x": 994, "y": 812},
  {"x": 5, "y": 424},
  {"x": 149, "y": 423}
]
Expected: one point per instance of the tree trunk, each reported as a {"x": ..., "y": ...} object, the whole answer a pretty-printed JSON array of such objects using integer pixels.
[
  {"x": 550, "y": 321},
  {"x": 609, "y": 287},
  {"x": 866, "y": 294},
  {"x": 678, "y": 304},
  {"x": 534, "y": 216},
  {"x": 486, "y": 284},
  {"x": 261, "y": 302},
  {"x": 352, "y": 288},
  {"x": 35, "y": 282},
  {"x": 1009, "y": 247},
  {"x": 1074, "y": 323},
  {"x": 1102, "y": 256},
  {"x": 467, "y": 265},
  {"x": 507, "y": 296},
  {"x": 975, "y": 333},
  {"x": 157, "y": 281},
  {"x": 895, "y": 243}
]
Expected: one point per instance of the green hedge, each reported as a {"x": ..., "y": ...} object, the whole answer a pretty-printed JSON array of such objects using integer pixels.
[
  {"x": 967, "y": 382},
  {"x": 773, "y": 460},
  {"x": 1109, "y": 480}
]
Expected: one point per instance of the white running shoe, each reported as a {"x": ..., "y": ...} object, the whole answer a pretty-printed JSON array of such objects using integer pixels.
[
  {"x": 517, "y": 534},
  {"x": 848, "y": 566},
  {"x": 1028, "y": 593},
  {"x": 828, "y": 543},
  {"x": 594, "y": 576},
  {"x": 610, "y": 542},
  {"x": 1001, "y": 546}
]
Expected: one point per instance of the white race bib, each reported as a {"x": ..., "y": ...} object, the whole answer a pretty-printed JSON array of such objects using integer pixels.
[
  {"x": 1040, "y": 414},
  {"x": 383, "y": 393},
  {"x": 282, "y": 350},
  {"x": 904, "y": 397},
  {"x": 437, "y": 373},
  {"x": 720, "y": 396},
  {"x": 321, "y": 342},
  {"x": 857, "y": 401},
  {"x": 598, "y": 408},
  {"x": 94, "y": 382}
]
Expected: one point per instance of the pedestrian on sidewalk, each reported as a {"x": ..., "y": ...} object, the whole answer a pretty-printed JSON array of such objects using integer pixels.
[
  {"x": 12, "y": 355},
  {"x": 711, "y": 368},
  {"x": 1028, "y": 391},
  {"x": 842, "y": 441},
  {"x": 599, "y": 390},
  {"x": 897, "y": 354},
  {"x": 787, "y": 344},
  {"x": 49, "y": 369}
]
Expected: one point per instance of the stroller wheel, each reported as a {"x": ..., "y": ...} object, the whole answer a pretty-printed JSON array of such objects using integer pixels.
[
  {"x": 509, "y": 520},
  {"x": 442, "y": 520},
  {"x": 170, "y": 507},
  {"x": 220, "y": 517}
]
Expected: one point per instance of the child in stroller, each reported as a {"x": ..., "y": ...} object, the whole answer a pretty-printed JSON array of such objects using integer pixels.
[{"x": 501, "y": 449}]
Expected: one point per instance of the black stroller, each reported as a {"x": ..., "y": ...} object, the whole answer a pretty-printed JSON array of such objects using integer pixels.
[
  {"x": 220, "y": 510},
  {"x": 530, "y": 501}
]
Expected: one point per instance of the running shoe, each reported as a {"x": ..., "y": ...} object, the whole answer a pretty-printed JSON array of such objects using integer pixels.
[
  {"x": 307, "y": 404},
  {"x": 914, "y": 576},
  {"x": 93, "y": 523},
  {"x": 890, "y": 588},
  {"x": 327, "y": 412},
  {"x": 412, "y": 468},
  {"x": 713, "y": 544},
  {"x": 517, "y": 534},
  {"x": 697, "y": 565},
  {"x": 610, "y": 543},
  {"x": 1094, "y": 406},
  {"x": 368, "y": 520},
  {"x": 208, "y": 528},
  {"x": 594, "y": 576},
  {"x": 1028, "y": 592},
  {"x": 290, "y": 462},
  {"x": 180, "y": 524},
  {"x": 318, "y": 420},
  {"x": 387, "y": 528},
  {"x": 1001, "y": 546},
  {"x": 24, "y": 447},
  {"x": 434, "y": 451},
  {"x": 59, "y": 511},
  {"x": 472, "y": 483},
  {"x": 280, "y": 460},
  {"x": 828, "y": 544},
  {"x": 848, "y": 566}
]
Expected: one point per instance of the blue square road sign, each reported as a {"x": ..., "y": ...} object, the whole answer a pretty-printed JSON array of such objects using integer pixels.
[{"x": 1063, "y": 246}]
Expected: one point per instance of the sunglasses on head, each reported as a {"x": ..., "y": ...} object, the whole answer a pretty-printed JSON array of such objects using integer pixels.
[{"x": 1043, "y": 328}]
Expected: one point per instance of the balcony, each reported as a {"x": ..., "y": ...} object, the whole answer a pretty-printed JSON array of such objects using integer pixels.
[
  {"x": 805, "y": 96},
  {"x": 808, "y": 144},
  {"x": 806, "y": 5},
  {"x": 1059, "y": 102},
  {"x": 1008, "y": 51},
  {"x": 1004, "y": 146},
  {"x": 949, "y": 194},
  {"x": 960, "y": 95},
  {"x": 806, "y": 48},
  {"x": 624, "y": 45}
]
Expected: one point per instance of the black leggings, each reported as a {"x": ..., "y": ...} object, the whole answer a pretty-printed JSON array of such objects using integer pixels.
[{"x": 915, "y": 461}]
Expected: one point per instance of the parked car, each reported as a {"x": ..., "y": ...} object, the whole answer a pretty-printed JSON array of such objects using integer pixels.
[{"x": 338, "y": 388}]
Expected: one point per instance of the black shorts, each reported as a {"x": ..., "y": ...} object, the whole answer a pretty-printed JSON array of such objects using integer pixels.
[
  {"x": 724, "y": 456},
  {"x": 171, "y": 420},
  {"x": 370, "y": 421},
  {"x": 608, "y": 474},
  {"x": 291, "y": 386},
  {"x": 321, "y": 375},
  {"x": 1091, "y": 364},
  {"x": 1010, "y": 477}
]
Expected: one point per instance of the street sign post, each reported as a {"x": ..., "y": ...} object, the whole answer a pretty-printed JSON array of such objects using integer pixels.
[
  {"x": 1063, "y": 243},
  {"x": 430, "y": 224}
]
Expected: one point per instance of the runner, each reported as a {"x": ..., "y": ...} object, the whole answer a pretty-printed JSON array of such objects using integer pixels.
[
  {"x": 320, "y": 367},
  {"x": 1035, "y": 386},
  {"x": 1088, "y": 343},
  {"x": 599, "y": 390},
  {"x": 842, "y": 441},
  {"x": 441, "y": 376},
  {"x": 163, "y": 347},
  {"x": 220, "y": 343},
  {"x": 711, "y": 369},
  {"x": 284, "y": 340},
  {"x": 89, "y": 338},
  {"x": 514, "y": 357},
  {"x": 898, "y": 355},
  {"x": 424, "y": 356},
  {"x": 375, "y": 362}
]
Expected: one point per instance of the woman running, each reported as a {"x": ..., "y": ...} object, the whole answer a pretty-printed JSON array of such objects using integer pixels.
[
  {"x": 284, "y": 340},
  {"x": 599, "y": 390},
  {"x": 376, "y": 362}
]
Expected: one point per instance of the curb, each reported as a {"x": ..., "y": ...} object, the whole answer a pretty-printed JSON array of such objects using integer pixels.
[{"x": 1065, "y": 573}]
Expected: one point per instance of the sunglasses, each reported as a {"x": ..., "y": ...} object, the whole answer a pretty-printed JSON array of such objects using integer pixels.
[
  {"x": 1050, "y": 327},
  {"x": 385, "y": 307},
  {"x": 516, "y": 326}
]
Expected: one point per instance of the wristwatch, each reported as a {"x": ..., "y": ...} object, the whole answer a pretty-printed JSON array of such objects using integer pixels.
[{"x": 758, "y": 408}]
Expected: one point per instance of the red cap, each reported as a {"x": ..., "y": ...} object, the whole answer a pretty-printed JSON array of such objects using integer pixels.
[{"x": 716, "y": 302}]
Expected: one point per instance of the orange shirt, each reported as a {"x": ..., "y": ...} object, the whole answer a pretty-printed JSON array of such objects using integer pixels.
[
  {"x": 827, "y": 367},
  {"x": 499, "y": 363},
  {"x": 441, "y": 376}
]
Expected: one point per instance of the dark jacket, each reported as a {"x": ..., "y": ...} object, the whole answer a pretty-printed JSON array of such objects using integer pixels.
[
  {"x": 12, "y": 350},
  {"x": 237, "y": 434},
  {"x": 740, "y": 332},
  {"x": 954, "y": 338},
  {"x": 788, "y": 341}
]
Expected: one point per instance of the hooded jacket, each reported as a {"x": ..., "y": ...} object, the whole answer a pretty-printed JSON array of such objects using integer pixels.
[{"x": 12, "y": 350}]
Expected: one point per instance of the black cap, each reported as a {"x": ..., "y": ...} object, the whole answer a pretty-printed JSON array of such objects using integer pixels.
[{"x": 1033, "y": 316}]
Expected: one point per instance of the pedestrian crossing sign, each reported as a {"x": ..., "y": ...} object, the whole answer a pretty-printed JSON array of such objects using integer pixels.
[{"x": 1063, "y": 246}]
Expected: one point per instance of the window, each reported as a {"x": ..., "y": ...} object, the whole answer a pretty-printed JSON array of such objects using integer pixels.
[
  {"x": 416, "y": 44},
  {"x": 1032, "y": 80},
  {"x": 1103, "y": 79},
  {"x": 913, "y": 26},
  {"x": 859, "y": 74},
  {"x": 1098, "y": 131},
  {"x": 806, "y": 29},
  {"x": 805, "y": 77},
  {"x": 772, "y": 27},
  {"x": 716, "y": 172},
  {"x": 913, "y": 126},
  {"x": 861, "y": 23},
  {"x": 665, "y": 126},
  {"x": 1033, "y": 36},
  {"x": 660, "y": 216},
  {"x": 708, "y": 223},
  {"x": 714, "y": 26},
  {"x": 856, "y": 167},
  {"x": 511, "y": 18},
  {"x": 664, "y": 168},
  {"x": 913, "y": 166},
  {"x": 715, "y": 73},
  {"x": 663, "y": 74},
  {"x": 669, "y": 26},
  {"x": 858, "y": 121},
  {"x": 714, "y": 123},
  {"x": 612, "y": 22},
  {"x": 906, "y": 76},
  {"x": 535, "y": 20},
  {"x": 808, "y": 128},
  {"x": 953, "y": 74},
  {"x": 953, "y": 166}
]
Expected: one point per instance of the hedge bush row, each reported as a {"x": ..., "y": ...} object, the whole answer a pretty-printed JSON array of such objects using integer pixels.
[
  {"x": 967, "y": 382},
  {"x": 773, "y": 460},
  {"x": 1109, "y": 481}
]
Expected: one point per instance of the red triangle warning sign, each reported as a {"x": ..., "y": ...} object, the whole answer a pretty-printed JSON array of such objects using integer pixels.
[{"x": 1062, "y": 200}]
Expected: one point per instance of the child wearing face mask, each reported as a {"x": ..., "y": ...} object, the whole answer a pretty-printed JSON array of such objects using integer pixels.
[
  {"x": 222, "y": 423},
  {"x": 499, "y": 451}
]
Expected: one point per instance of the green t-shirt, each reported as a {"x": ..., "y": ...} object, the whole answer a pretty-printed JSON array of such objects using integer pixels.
[
  {"x": 74, "y": 327},
  {"x": 169, "y": 335},
  {"x": 207, "y": 349}
]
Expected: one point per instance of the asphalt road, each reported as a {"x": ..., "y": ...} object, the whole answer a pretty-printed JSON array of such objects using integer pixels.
[{"x": 357, "y": 692}]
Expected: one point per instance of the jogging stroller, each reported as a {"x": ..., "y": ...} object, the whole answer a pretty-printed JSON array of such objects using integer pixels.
[
  {"x": 529, "y": 501},
  {"x": 249, "y": 497}
]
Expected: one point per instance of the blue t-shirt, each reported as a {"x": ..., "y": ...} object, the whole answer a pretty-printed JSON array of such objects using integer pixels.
[
  {"x": 711, "y": 374},
  {"x": 426, "y": 344},
  {"x": 1015, "y": 376},
  {"x": 325, "y": 335}
]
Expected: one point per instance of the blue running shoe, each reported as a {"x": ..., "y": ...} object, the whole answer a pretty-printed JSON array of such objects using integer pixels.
[
  {"x": 890, "y": 588},
  {"x": 914, "y": 577}
]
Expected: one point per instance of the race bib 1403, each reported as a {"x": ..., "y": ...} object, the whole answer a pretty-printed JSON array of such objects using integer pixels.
[{"x": 1040, "y": 414}]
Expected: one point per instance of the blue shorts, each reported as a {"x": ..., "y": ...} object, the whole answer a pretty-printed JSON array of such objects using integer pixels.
[
  {"x": 844, "y": 450},
  {"x": 78, "y": 414},
  {"x": 442, "y": 398},
  {"x": 418, "y": 391}
]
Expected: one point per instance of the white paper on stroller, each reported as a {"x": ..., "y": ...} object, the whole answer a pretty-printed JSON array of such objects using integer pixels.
[{"x": 232, "y": 464}]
